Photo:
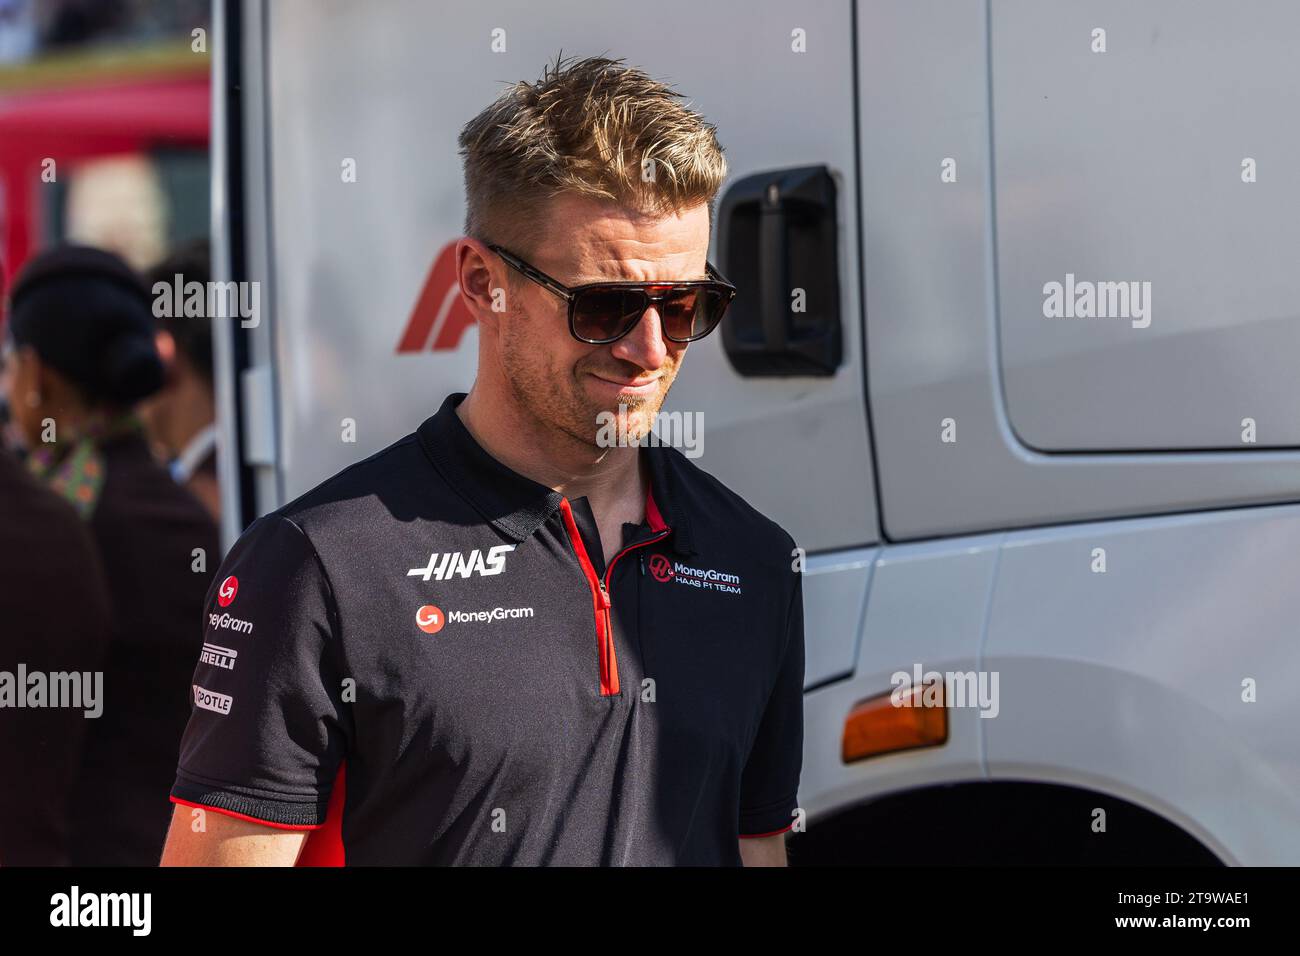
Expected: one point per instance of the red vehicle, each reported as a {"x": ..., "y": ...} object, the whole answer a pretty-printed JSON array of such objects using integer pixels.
[{"x": 117, "y": 159}]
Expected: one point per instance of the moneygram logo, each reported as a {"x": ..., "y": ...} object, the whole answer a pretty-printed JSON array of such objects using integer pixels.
[
  {"x": 226, "y": 593},
  {"x": 225, "y": 622},
  {"x": 447, "y": 564},
  {"x": 706, "y": 579},
  {"x": 496, "y": 614},
  {"x": 430, "y": 619}
]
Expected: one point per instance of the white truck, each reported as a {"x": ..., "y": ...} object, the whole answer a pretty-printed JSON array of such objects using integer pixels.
[{"x": 1038, "y": 421}]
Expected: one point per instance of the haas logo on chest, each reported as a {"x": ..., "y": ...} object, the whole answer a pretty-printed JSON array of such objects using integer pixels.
[{"x": 447, "y": 564}]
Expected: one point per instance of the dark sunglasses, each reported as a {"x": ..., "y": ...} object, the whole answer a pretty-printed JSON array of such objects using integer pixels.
[{"x": 604, "y": 312}]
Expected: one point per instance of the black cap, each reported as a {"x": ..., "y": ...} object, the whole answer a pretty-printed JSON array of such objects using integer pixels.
[{"x": 88, "y": 315}]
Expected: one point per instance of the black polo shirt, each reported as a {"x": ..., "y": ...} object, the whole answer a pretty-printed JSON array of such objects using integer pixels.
[{"x": 426, "y": 657}]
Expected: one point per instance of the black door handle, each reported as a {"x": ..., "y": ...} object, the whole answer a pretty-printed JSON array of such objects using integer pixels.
[{"x": 778, "y": 233}]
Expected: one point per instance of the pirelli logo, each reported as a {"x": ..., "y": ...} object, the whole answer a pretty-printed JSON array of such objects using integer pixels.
[{"x": 218, "y": 656}]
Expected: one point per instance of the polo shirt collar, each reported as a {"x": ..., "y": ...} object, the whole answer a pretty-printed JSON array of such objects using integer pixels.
[{"x": 518, "y": 506}]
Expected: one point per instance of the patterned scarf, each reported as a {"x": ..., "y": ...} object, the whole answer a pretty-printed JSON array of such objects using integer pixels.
[{"x": 74, "y": 466}]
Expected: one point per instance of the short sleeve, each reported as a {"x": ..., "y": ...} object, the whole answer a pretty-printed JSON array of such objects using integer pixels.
[
  {"x": 268, "y": 724},
  {"x": 770, "y": 783}
]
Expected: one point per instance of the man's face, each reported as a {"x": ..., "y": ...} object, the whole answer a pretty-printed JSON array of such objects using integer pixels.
[{"x": 566, "y": 383}]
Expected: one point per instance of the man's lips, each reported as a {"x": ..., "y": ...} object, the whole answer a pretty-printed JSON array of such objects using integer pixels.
[{"x": 630, "y": 385}]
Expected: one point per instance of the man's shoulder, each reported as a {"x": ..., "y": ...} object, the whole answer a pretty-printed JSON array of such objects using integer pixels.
[
  {"x": 396, "y": 483},
  {"x": 347, "y": 520},
  {"x": 717, "y": 513}
]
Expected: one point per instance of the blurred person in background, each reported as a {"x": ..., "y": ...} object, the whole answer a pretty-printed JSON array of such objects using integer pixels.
[
  {"x": 83, "y": 355},
  {"x": 181, "y": 416},
  {"x": 53, "y": 619}
]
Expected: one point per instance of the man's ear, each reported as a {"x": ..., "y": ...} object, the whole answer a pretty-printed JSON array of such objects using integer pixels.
[{"x": 482, "y": 277}]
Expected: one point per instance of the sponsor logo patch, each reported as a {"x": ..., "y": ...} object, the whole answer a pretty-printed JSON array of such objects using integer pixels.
[
  {"x": 660, "y": 567},
  {"x": 444, "y": 565},
  {"x": 218, "y": 656},
  {"x": 430, "y": 619},
  {"x": 226, "y": 593},
  {"x": 225, "y": 622},
  {"x": 706, "y": 579},
  {"x": 211, "y": 700}
]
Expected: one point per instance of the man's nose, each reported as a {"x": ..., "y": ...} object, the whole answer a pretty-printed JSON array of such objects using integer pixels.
[{"x": 645, "y": 344}]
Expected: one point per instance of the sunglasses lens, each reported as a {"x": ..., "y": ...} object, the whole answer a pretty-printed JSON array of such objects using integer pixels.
[
  {"x": 604, "y": 314},
  {"x": 690, "y": 314}
]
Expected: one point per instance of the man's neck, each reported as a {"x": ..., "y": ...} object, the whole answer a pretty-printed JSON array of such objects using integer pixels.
[{"x": 614, "y": 480}]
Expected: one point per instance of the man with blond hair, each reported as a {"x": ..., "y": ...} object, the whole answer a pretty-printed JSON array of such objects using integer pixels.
[{"x": 504, "y": 639}]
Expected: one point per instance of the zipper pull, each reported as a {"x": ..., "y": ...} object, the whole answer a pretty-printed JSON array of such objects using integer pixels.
[
  {"x": 641, "y": 561},
  {"x": 604, "y": 595}
]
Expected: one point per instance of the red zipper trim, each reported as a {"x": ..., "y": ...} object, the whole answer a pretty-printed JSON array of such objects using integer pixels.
[{"x": 600, "y": 596}]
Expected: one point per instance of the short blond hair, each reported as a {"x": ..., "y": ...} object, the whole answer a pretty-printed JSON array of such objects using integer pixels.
[{"x": 589, "y": 128}]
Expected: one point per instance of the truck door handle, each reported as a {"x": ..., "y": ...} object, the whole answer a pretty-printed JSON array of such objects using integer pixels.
[{"x": 778, "y": 233}]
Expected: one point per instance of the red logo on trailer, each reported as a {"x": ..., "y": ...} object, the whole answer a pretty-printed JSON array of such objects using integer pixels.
[{"x": 440, "y": 318}]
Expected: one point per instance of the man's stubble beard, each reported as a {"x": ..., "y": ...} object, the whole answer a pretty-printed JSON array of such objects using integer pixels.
[{"x": 556, "y": 397}]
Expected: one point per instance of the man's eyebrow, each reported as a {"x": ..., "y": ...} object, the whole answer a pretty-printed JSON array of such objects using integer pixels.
[{"x": 586, "y": 280}]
